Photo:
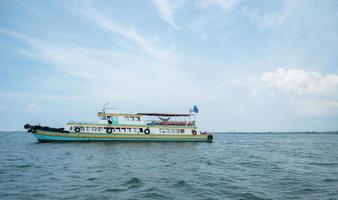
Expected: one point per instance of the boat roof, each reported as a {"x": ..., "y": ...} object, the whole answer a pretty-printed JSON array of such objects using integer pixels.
[
  {"x": 144, "y": 114},
  {"x": 165, "y": 114},
  {"x": 116, "y": 114}
]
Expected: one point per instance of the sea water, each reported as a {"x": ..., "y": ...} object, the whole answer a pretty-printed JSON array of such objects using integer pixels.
[{"x": 234, "y": 166}]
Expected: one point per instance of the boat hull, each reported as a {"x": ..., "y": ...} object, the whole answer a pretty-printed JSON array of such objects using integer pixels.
[{"x": 42, "y": 135}]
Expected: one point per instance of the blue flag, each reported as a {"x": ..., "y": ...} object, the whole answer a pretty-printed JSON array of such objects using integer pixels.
[{"x": 195, "y": 109}]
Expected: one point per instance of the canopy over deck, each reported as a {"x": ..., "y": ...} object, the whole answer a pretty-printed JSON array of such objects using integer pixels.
[
  {"x": 165, "y": 114},
  {"x": 144, "y": 114}
]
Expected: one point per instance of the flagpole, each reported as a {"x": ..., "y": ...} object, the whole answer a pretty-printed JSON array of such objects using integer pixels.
[{"x": 195, "y": 119}]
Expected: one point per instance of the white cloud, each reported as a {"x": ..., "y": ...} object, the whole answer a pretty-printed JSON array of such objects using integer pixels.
[
  {"x": 302, "y": 82},
  {"x": 118, "y": 75},
  {"x": 271, "y": 18},
  {"x": 306, "y": 93},
  {"x": 30, "y": 41},
  {"x": 302, "y": 93},
  {"x": 246, "y": 83},
  {"x": 224, "y": 4},
  {"x": 167, "y": 9},
  {"x": 32, "y": 108},
  {"x": 147, "y": 45}
]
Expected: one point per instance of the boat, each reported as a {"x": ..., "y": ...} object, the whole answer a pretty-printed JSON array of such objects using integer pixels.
[{"x": 115, "y": 126}]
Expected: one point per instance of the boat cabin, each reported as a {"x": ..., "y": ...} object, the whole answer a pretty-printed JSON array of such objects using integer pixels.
[
  {"x": 146, "y": 119},
  {"x": 120, "y": 119},
  {"x": 154, "y": 123}
]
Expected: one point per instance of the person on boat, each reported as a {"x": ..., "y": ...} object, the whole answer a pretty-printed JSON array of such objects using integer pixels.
[{"x": 109, "y": 120}]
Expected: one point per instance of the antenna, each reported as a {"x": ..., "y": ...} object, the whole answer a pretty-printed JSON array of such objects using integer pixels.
[{"x": 105, "y": 107}]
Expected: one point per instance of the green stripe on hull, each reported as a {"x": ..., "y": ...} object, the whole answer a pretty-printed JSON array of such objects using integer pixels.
[{"x": 54, "y": 136}]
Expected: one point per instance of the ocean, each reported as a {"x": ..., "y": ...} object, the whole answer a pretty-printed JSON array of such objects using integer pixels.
[{"x": 234, "y": 166}]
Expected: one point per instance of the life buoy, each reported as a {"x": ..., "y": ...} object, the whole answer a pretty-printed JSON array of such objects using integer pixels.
[
  {"x": 210, "y": 138},
  {"x": 194, "y": 132},
  {"x": 77, "y": 129},
  {"x": 109, "y": 130},
  {"x": 147, "y": 131}
]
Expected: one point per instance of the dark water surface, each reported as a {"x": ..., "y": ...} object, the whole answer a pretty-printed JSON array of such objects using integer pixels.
[{"x": 234, "y": 166}]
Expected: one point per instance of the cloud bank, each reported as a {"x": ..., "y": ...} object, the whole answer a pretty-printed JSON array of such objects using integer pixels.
[{"x": 302, "y": 82}]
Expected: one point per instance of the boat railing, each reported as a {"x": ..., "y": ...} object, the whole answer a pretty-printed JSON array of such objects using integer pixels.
[
  {"x": 170, "y": 123},
  {"x": 81, "y": 122}
]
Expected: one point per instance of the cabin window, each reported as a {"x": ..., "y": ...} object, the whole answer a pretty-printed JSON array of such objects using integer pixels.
[
  {"x": 82, "y": 128},
  {"x": 87, "y": 128},
  {"x": 123, "y": 129},
  {"x": 182, "y": 130},
  {"x": 70, "y": 128},
  {"x": 118, "y": 130},
  {"x": 99, "y": 129},
  {"x": 132, "y": 118},
  {"x": 94, "y": 129},
  {"x": 129, "y": 130},
  {"x": 141, "y": 130},
  {"x": 103, "y": 118},
  {"x": 161, "y": 130},
  {"x": 137, "y": 118}
]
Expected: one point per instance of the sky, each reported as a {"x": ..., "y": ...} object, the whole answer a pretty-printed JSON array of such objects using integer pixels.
[{"x": 248, "y": 65}]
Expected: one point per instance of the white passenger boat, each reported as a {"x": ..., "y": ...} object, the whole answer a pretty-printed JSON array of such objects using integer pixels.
[{"x": 126, "y": 127}]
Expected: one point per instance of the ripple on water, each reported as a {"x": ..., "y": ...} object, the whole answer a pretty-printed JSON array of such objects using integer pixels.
[
  {"x": 325, "y": 164},
  {"x": 91, "y": 179},
  {"x": 252, "y": 196},
  {"x": 330, "y": 180},
  {"x": 154, "y": 193},
  {"x": 14, "y": 159},
  {"x": 23, "y": 166},
  {"x": 99, "y": 170},
  {"x": 180, "y": 184},
  {"x": 133, "y": 183},
  {"x": 113, "y": 190}
]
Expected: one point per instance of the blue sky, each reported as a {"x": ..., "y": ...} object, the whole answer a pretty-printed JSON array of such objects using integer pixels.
[{"x": 248, "y": 65}]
